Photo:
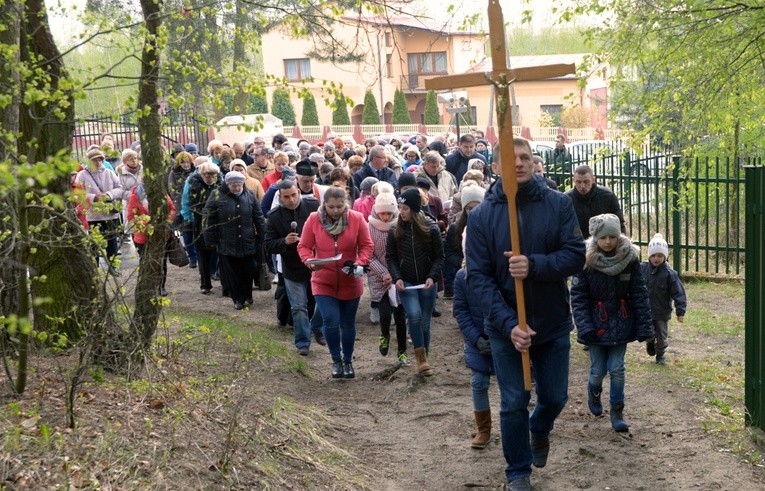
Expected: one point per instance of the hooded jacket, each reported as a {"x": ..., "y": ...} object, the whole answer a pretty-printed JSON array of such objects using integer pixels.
[
  {"x": 233, "y": 224},
  {"x": 551, "y": 240},
  {"x": 664, "y": 286}
]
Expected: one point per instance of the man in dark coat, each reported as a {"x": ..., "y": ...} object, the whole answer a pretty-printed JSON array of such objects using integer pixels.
[
  {"x": 285, "y": 223},
  {"x": 233, "y": 222},
  {"x": 591, "y": 200},
  {"x": 457, "y": 161},
  {"x": 552, "y": 249},
  {"x": 376, "y": 167}
]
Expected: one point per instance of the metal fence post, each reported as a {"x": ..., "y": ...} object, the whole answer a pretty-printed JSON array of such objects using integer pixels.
[
  {"x": 754, "y": 363},
  {"x": 677, "y": 257}
]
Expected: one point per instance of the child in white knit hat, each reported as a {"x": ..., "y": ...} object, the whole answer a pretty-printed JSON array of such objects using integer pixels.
[
  {"x": 664, "y": 287},
  {"x": 610, "y": 305}
]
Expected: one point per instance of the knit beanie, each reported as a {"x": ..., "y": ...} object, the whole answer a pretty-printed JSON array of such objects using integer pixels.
[
  {"x": 411, "y": 198},
  {"x": 472, "y": 194},
  {"x": 385, "y": 202},
  {"x": 96, "y": 153},
  {"x": 367, "y": 183},
  {"x": 658, "y": 246},
  {"x": 407, "y": 179},
  {"x": 234, "y": 176},
  {"x": 605, "y": 224}
]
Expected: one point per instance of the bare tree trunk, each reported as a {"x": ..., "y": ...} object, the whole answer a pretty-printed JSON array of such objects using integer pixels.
[
  {"x": 71, "y": 290},
  {"x": 147, "y": 307}
]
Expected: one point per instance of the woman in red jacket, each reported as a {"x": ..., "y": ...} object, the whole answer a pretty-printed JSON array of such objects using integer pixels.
[
  {"x": 138, "y": 218},
  {"x": 337, "y": 285}
]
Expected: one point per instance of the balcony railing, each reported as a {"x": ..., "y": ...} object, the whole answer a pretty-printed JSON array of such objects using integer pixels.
[{"x": 415, "y": 82}]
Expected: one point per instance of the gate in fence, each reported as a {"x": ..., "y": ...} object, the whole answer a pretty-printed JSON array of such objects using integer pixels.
[
  {"x": 178, "y": 127},
  {"x": 696, "y": 203},
  {"x": 754, "y": 364}
]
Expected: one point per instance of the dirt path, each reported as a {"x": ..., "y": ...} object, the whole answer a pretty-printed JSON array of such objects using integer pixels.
[{"x": 415, "y": 433}]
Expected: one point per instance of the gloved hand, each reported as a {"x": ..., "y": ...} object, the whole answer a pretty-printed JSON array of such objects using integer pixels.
[
  {"x": 589, "y": 337},
  {"x": 483, "y": 345}
]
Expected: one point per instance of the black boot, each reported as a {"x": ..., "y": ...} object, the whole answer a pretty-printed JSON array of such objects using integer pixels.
[
  {"x": 593, "y": 400},
  {"x": 617, "y": 418},
  {"x": 337, "y": 369}
]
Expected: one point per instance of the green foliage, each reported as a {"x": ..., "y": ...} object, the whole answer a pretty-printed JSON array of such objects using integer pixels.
[
  {"x": 431, "y": 115},
  {"x": 532, "y": 40},
  {"x": 400, "y": 109},
  {"x": 257, "y": 104},
  {"x": 310, "y": 115},
  {"x": 282, "y": 108},
  {"x": 340, "y": 111},
  {"x": 370, "y": 115},
  {"x": 657, "y": 89}
]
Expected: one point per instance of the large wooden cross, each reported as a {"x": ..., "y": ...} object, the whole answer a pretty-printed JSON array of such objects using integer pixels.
[{"x": 501, "y": 77}]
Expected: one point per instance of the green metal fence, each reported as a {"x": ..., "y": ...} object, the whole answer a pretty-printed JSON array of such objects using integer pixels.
[
  {"x": 754, "y": 369},
  {"x": 696, "y": 203}
]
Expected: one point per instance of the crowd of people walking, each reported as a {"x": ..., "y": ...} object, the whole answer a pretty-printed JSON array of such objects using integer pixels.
[{"x": 419, "y": 221}]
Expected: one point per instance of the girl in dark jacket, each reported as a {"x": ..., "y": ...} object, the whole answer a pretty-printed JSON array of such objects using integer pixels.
[
  {"x": 415, "y": 257},
  {"x": 610, "y": 303},
  {"x": 233, "y": 222}
]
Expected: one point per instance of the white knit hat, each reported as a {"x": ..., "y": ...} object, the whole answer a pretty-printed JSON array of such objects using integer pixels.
[
  {"x": 471, "y": 194},
  {"x": 658, "y": 246},
  {"x": 385, "y": 202}
]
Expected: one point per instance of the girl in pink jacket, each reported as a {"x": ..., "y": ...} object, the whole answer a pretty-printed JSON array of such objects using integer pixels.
[{"x": 337, "y": 284}]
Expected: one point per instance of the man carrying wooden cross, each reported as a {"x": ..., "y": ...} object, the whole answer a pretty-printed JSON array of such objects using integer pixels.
[{"x": 552, "y": 249}]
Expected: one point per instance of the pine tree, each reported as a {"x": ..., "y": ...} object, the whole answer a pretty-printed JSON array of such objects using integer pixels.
[
  {"x": 370, "y": 115},
  {"x": 431, "y": 115},
  {"x": 257, "y": 104},
  {"x": 400, "y": 109},
  {"x": 340, "y": 113},
  {"x": 310, "y": 115},
  {"x": 282, "y": 107}
]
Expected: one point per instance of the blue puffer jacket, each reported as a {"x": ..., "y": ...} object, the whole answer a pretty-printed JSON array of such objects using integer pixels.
[
  {"x": 552, "y": 241},
  {"x": 470, "y": 321},
  {"x": 613, "y": 308},
  {"x": 664, "y": 286}
]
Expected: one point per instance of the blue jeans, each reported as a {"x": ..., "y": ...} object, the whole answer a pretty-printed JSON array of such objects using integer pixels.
[
  {"x": 479, "y": 383},
  {"x": 608, "y": 359},
  {"x": 339, "y": 325},
  {"x": 418, "y": 305},
  {"x": 297, "y": 293},
  {"x": 550, "y": 362},
  {"x": 188, "y": 241}
]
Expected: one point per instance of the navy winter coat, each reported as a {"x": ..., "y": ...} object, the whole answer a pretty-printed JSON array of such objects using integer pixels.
[
  {"x": 457, "y": 164},
  {"x": 664, "y": 285},
  {"x": 551, "y": 240},
  {"x": 366, "y": 171},
  {"x": 470, "y": 321},
  {"x": 613, "y": 308}
]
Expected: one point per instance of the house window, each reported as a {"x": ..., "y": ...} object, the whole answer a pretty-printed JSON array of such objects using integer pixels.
[
  {"x": 554, "y": 110},
  {"x": 426, "y": 63},
  {"x": 297, "y": 69},
  {"x": 389, "y": 66},
  {"x": 388, "y": 39}
]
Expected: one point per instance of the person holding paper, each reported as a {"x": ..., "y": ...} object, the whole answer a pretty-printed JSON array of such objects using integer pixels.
[
  {"x": 337, "y": 285},
  {"x": 381, "y": 288},
  {"x": 415, "y": 257}
]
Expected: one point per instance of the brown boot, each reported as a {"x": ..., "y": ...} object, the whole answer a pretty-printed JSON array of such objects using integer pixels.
[
  {"x": 483, "y": 436},
  {"x": 422, "y": 362}
]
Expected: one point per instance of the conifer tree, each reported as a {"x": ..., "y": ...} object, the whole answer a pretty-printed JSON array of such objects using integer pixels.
[
  {"x": 371, "y": 114},
  {"x": 431, "y": 115},
  {"x": 400, "y": 109}
]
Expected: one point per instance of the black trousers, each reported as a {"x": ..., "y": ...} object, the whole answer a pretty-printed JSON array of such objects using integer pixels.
[
  {"x": 238, "y": 273},
  {"x": 283, "y": 307},
  {"x": 204, "y": 260},
  {"x": 399, "y": 317}
]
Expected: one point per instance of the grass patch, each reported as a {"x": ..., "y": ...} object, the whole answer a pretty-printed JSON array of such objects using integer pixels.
[{"x": 706, "y": 322}]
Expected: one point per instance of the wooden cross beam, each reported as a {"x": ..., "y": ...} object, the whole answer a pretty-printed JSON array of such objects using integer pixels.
[{"x": 501, "y": 77}]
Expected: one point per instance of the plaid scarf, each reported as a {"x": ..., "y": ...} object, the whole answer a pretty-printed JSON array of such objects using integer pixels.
[{"x": 333, "y": 227}]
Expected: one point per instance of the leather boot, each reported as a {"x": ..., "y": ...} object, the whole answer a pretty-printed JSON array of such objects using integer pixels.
[
  {"x": 593, "y": 400},
  {"x": 483, "y": 423},
  {"x": 422, "y": 362},
  {"x": 617, "y": 418}
]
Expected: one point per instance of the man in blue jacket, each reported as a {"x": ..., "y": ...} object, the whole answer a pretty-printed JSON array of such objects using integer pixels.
[{"x": 552, "y": 249}]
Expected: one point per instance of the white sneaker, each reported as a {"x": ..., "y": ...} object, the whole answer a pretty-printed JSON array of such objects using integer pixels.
[{"x": 374, "y": 315}]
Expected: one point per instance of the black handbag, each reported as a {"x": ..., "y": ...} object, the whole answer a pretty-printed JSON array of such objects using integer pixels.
[
  {"x": 265, "y": 277},
  {"x": 176, "y": 253}
]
